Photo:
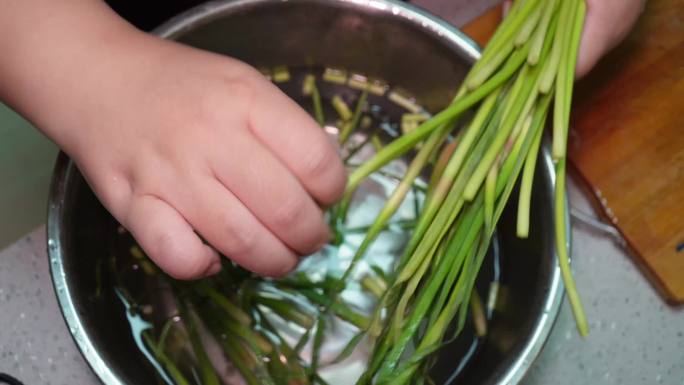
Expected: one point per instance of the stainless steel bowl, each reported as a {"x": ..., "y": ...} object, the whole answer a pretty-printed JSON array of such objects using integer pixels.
[{"x": 390, "y": 40}]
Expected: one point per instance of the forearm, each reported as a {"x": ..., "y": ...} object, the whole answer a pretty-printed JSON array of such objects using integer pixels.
[{"x": 55, "y": 52}]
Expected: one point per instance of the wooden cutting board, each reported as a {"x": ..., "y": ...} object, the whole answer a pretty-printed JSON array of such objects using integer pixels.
[{"x": 627, "y": 139}]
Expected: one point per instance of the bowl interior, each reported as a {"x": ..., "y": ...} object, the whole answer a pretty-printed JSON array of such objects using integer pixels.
[{"x": 380, "y": 39}]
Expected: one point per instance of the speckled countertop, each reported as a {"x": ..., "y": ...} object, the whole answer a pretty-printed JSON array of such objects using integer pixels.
[{"x": 635, "y": 338}]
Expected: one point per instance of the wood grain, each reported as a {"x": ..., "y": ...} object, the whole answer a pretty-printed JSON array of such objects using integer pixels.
[{"x": 628, "y": 141}]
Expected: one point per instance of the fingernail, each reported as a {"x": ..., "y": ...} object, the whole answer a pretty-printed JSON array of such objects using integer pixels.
[
  {"x": 213, "y": 268},
  {"x": 285, "y": 269},
  {"x": 321, "y": 244}
]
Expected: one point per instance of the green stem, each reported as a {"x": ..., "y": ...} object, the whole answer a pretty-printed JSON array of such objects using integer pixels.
[
  {"x": 340, "y": 309},
  {"x": 404, "y": 224},
  {"x": 341, "y": 107},
  {"x": 317, "y": 343},
  {"x": 490, "y": 190},
  {"x": 521, "y": 106},
  {"x": 503, "y": 36},
  {"x": 542, "y": 32},
  {"x": 223, "y": 302},
  {"x": 420, "y": 308},
  {"x": 351, "y": 126},
  {"x": 163, "y": 359},
  {"x": 237, "y": 353},
  {"x": 317, "y": 104},
  {"x": 406, "y": 142},
  {"x": 440, "y": 209},
  {"x": 409, "y": 289},
  {"x": 395, "y": 200},
  {"x": 374, "y": 285},
  {"x": 287, "y": 311},
  {"x": 464, "y": 285},
  {"x": 207, "y": 371},
  {"x": 458, "y": 158},
  {"x": 459, "y": 245},
  {"x": 551, "y": 68},
  {"x": 562, "y": 250},
  {"x": 564, "y": 82},
  {"x": 525, "y": 197},
  {"x": 529, "y": 26}
]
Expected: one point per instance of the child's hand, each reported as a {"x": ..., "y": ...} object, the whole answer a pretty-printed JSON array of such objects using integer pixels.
[
  {"x": 175, "y": 140},
  {"x": 203, "y": 142}
]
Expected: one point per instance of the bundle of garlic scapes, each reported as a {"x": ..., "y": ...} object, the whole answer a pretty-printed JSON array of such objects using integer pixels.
[{"x": 528, "y": 64}]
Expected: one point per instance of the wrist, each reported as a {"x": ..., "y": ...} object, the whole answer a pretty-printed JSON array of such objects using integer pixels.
[{"x": 53, "y": 67}]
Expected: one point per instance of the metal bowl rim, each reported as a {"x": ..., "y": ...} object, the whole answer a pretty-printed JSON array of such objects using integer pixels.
[{"x": 205, "y": 13}]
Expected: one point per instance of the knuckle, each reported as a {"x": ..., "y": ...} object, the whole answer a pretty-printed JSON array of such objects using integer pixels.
[
  {"x": 181, "y": 264},
  {"x": 325, "y": 174},
  {"x": 114, "y": 189},
  {"x": 241, "y": 240},
  {"x": 209, "y": 111},
  {"x": 312, "y": 246},
  {"x": 319, "y": 161},
  {"x": 282, "y": 268},
  {"x": 290, "y": 211},
  {"x": 337, "y": 187},
  {"x": 193, "y": 268},
  {"x": 243, "y": 87}
]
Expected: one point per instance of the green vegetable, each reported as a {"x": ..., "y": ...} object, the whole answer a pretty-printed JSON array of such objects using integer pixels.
[{"x": 530, "y": 60}]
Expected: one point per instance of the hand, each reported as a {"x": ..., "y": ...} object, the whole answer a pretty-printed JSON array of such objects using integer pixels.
[
  {"x": 607, "y": 23},
  {"x": 203, "y": 142},
  {"x": 178, "y": 142}
]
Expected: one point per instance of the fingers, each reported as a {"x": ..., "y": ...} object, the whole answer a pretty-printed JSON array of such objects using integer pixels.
[
  {"x": 228, "y": 225},
  {"x": 169, "y": 240},
  {"x": 506, "y": 6},
  {"x": 272, "y": 194},
  {"x": 295, "y": 138},
  {"x": 593, "y": 43},
  {"x": 607, "y": 23}
]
